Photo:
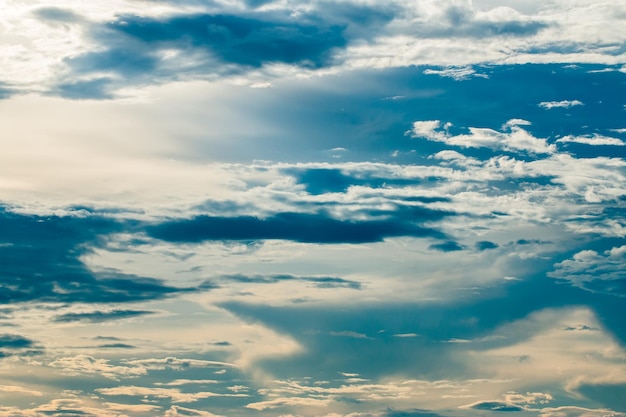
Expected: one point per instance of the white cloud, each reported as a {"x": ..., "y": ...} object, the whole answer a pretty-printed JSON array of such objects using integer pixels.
[
  {"x": 456, "y": 73},
  {"x": 288, "y": 402},
  {"x": 594, "y": 139},
  {"x": 564, "y": 104},
  {"x": 588, "y": 267},
  {"x": 172, "y": 393},
  {"x": 514, "y": 138},
  {"x": 176, "y": 363},
  {"x": 19, "y": 390},
  {"x": 178, "y": 411},
  {"x": 572, "y": 411},
  {"x": 83, "y": 364},
  {"x": 548, "y": 354}
]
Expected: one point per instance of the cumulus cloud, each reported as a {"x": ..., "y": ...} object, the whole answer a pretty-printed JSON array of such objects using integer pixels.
[
  {"x": 88, "y": 365},
  {"x": 176, "y": 363},
  {"x": 573, "y": 411},
  {"x": 178, "y": 411},
  {"x": 174, "y": 394},
  {"x": 456, "y": 73},
  {"x": 593, "y": 271},
  {"x": 513, "y": 138},
  {"x": 564, "y": 104},
  {"x": 595, "y": 140},
  {"x": 288, "y": 402}
]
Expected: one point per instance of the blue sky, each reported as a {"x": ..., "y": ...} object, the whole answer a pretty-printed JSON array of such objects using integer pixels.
[{"x": 312, "y": 208}]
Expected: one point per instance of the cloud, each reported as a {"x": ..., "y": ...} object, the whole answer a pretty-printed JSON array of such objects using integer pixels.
[
  {"x": 11, "y": 341},
  {"x": 176, "y": 363},
  {"x": 573, "y": 411},
  {"x": 595, "y": 140},
  {"x": 19, "y": 390},
  {"x": 101, "y": 316},
  {"x": 298, "y": 227},
  {"x": 57, "y": 15},
  {"x": 288, "y": 402},
  {"x": 485, "y": 245},
  {"x": 136, "y": 48},
  {"x": 68, "y": 407},
  {"x": 349, "y": 333},
  {"x": 174, "y": 394},
  {"x": 318, "y": 282},
  {"x": 116, "y": 346},
  {"x": 17, "y": 345},
  {"x": 448, "y": 246},
  {"x": 495, "y": 406},
  {"x": 513, "y": 138},
  {"x": 564, "y": 104},
  {"x": 595, "y": 272},
  {"x": 456, "y": 73},
  {"x": 40, "y": 261},
  {"x": 88, "y": 365},
  {"x": 178, "y": 411}
]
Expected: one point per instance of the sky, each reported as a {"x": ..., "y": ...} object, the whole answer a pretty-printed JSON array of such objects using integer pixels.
[{"x": 303, "y": 208}]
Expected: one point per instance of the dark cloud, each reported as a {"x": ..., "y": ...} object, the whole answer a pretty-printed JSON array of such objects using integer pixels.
[
  {"x": 462, "y": 22},
  {"x": 496, "y": 406},
  {"x": 448, "y": 246},
  {"x": 16, "y": 345},
  {"x": 116, "y": 346},
  {"x": 485, "y": 245},
  {"x": 83, "y": 90},
  {"x": 299, "y": 227},
  {"x": 319, "y": 282},
  {"x": 323, "y": 180},
  {"x": 133, "y": 46},
  {"x": 5, "y": 91},
  {"x": 409, "y": 413},
  {"x": 211, "y": 43},
  {"x": 40, "y": 260},
  {"x": 11, "y": 341},
  {"x": 56, "y": 14},
  {"x": 101, "y": 316},
  {"x": 470, "y": 318}
]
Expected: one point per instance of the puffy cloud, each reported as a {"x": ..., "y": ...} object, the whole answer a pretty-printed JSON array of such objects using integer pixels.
[
  {"x": 573, "y": 411},
  {"x": 564, "y": 104},
  {"x": 178, "y": 411},
  {"x": 101, "y": 316},
  {"x": 84, "y": 364},
  {"x": 176, "y": 363},
  {"x": 174, "y": 394},
  {"x": 595, "y": 140},
  {"x": 288, "y": 402},
  {"x": 514, "y": 138},
  {"x": 593, "y": 271}
]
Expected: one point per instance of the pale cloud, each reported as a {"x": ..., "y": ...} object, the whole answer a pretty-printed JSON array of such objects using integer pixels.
[
  {"x": 172, "y": 393},
  {"x": 595, "y": 139},
  {"x": 84, "y": 364},
  {"x": 572, "y": 411},
  {"x": 564, "y": 104},
  {"x": 548, "y": 354},
  {"x": 176, "y": 363},
  {"x": 65, "y": 406},
  {"x": 456, "y": 73},
  {"x": 12, "y": 389},
  {"x": 593, "y": 271},
  {"x": 288, "y": 402},
  {"x": 178, "y": 411},
  {"x": 514, "y": 138},
  {"x": 179, "y": 382}
]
